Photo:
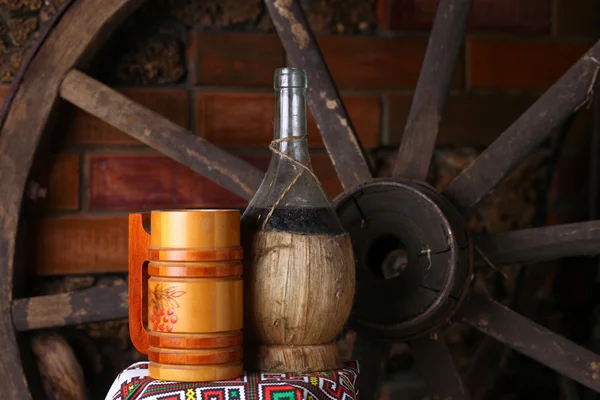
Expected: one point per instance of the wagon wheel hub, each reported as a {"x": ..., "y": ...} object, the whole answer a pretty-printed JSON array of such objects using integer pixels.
[{"x": 413, "y": 257}]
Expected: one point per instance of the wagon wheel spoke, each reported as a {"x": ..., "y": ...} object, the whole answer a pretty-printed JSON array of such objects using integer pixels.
[
  {"x": 541, "y": 244},
  {"x": 372, "y": 356},
  {"x": 568, "y": 388},
  {"x": 527, "y": 132},
  {"x": 159, "y": 133},
  {"x": 437, "y": 368},
  {"x": 485, "y": 359},
  {"x": 433, "y": 86},
  {"x": 532, "y": 340},
  {"x": 53, "y": 311},
  {"x": 339, "y": 136}
]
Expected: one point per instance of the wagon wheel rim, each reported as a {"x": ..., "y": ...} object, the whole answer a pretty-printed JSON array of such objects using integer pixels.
[{"x": 352, "y": 167}]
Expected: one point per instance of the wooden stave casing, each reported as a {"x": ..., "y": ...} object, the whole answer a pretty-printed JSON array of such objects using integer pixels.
[{"x": 273, "y": 347}]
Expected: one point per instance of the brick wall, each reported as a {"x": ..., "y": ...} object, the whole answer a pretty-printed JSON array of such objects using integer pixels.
[
  {"x": 208, "y": 64},
  {"x": 217, "y": 83}
]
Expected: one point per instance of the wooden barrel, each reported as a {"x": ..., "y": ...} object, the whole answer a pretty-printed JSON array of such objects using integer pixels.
[{"x": 194, "y": 296}]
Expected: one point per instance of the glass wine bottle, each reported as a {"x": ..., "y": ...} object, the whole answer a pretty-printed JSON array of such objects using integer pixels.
[
  {"x": 290, "y": 198},
  {"x": 299, "y": 264}
]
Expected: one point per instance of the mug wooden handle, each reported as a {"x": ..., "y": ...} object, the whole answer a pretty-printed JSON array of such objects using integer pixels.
[{"x": 139, "y": 241}]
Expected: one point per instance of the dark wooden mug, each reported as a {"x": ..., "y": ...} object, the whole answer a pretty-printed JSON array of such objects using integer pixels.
[{"x": 185, "y": 293}]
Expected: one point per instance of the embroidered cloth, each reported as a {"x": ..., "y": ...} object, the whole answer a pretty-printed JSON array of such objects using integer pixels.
[{"x": 135, "y": 384}]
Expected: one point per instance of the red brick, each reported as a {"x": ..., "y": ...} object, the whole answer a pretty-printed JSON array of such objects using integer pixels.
[
  {"x": 173, "y": 104},
  {"x": 514, "y": 16},
  {"x": 519, "y": 64},
  {"x": 469, "y": 120},
  {"x": 81, "y": 245},
  {"x": 63, "y": 183},
  {"x": 357, "y": 62},
  {"x": 150, "y": 181},
  {"x": 238, "y": 59},
  {"x": 321, "y": 165},
  {"x": 362, "y": 62},
  {"x": 236, "y": 119},
  {"x": 574, "y": 18},
  {"x": 476, "y": 120},
  {"x": 129, "y": 182},
  {"x": 246, "y": 119}
]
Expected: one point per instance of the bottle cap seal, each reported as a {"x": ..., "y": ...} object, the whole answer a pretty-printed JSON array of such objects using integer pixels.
[{"x": 290, "y": 78}]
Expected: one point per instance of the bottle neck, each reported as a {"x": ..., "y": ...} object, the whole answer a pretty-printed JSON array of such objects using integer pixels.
[{"x": 290, "y": 123}]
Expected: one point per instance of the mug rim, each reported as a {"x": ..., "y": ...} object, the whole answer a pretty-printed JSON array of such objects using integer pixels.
[{"x": 196, "y": 210}]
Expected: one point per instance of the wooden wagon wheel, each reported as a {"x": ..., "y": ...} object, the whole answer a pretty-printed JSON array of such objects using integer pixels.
[{"x": 379, "y": 213}]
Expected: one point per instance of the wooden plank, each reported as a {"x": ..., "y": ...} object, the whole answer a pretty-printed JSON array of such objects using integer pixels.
[
  {"x": 161, "y": 134},
  {"x": 137, "y": 279},
  {"x": 234, "y": 58},
  {"x": 4, "y": 92},
  {"x": 36, "y": 88},
  {"x": 82, "y": 128},
  {"x": 434, "y": 361},
  {"x": 238, "y": 119},
  {"x": 517, "y": 17},
  {"x": 568, "y": 388},
  {"x": 356, "y": 62},
  {"x": 575, "y": 19},
  {"x": 377, "y": 62},
  {"x": 513, "y": 63},
  {"x": 527, "y": 132},
  {"x": 432, "y": 89},
  {"x": 541, "y": 244},
  {"x": 62, "y": 183},
  {"x": 532, "y": 340},
  {"x": 485, "y": 359},
  {"x": 338, "y": 133},
  {"x": 469, "y": 119},
  {"x": 80, "y": 245},
  {"x": 89, "y": 305},
  {"x": 59, "y": 368},
  {"x": 142, "y": 181},
  {"x": 372, "y": 355}
]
